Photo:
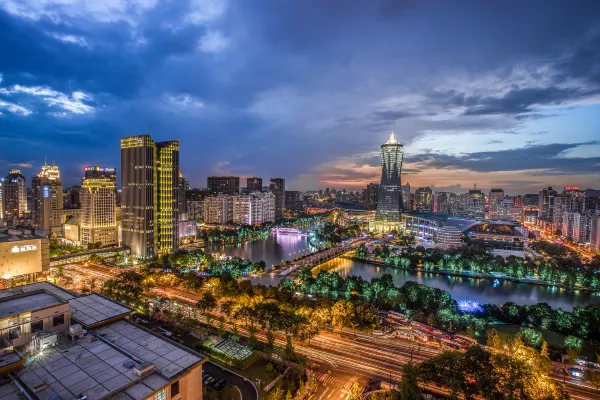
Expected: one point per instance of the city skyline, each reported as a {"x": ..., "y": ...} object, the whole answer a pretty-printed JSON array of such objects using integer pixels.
[{"x": 513, "y": 105}]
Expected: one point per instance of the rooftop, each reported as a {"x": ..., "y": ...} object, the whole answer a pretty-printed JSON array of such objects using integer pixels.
[
  {"x": 21, "y": 303},
  {"x": 45, "y": 286},
  {"x": 101, "y": 365},
  {"x": 15, "y": 234},
  {"x": 94, "y": 309}
]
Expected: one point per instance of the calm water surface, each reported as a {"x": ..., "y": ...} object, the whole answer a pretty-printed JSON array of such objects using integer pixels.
[{"x": 481, "y": 290}]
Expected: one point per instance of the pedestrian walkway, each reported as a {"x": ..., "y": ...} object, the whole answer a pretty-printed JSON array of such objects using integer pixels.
[{"x": 330, "y": 379}]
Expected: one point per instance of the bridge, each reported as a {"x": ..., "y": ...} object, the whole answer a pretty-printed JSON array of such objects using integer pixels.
[
  {"x": 288, "y": 232},
  {"x": 293, "y": 267}
]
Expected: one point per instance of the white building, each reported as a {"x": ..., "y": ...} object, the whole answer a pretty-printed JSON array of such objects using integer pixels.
[
  {"x": 254, "y": 208},
  {"x": 581, "y": 228},
  {"x": 218, "y": 209}
]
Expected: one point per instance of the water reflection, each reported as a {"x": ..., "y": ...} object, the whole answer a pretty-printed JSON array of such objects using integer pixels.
[{"x": 480, "y": 290}]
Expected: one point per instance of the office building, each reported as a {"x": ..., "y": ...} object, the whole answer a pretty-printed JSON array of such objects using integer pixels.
[
  {"x": 48, "y": 203},
  {"x": 23, "y": 251},
  {"x": 72, "y": 197},
  {"x": 370, "y": 195},
  {"x": 218, "y": 209},
  {"x": 531, "y": 200},
  {"x": 388, "y": 216},
  {"x": 277, "y": 187},
  {"x": 581, "y": 227},
  {"x": 57, "y": 345},
  {"x": 294, "y": 201},
  {"x": 98, "y": 221},
  {"x": 223, "y": 184},
  {"x": 195, "y": 210},
  {"x": 406, "y": 197},
  {"x": 149, "y": 184},
  {"x": 13, "y": 196},
  {"x": 424, "y": 199},
  {"x": 254, "y": 184},
  {"x": 254, "y": 208}
]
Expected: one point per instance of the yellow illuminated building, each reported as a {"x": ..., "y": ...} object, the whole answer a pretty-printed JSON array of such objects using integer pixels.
[{"x": 149, "y": 181}]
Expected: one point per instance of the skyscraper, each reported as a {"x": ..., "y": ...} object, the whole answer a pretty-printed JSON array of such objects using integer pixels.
[
  {"x": 14, "y": 196},
  {"x": 223, "y": 184},
  {"x": 47, "y": 195},
  {"x": 277, "y": 187},
  {"x": 424, "y": 199},
  {"x": 149, "y": 199},
  {"x": 98, "y": 207},
  {"x": 388, "y": 216},
  {"x": 405, "y": 197},
  {"x": 371, "y": 194},
  {"x": 253, "y": 184}
]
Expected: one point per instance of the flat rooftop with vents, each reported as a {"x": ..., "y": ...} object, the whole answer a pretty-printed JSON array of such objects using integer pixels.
[{"x": 116, "y": 359}]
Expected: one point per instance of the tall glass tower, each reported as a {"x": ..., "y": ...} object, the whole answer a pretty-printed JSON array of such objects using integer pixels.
[{"x": 389, "y": 204}]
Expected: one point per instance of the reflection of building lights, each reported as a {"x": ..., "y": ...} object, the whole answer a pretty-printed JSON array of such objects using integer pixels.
[{"x": 469, "y": 306}]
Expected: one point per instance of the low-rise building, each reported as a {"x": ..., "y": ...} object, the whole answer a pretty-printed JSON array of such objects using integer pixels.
[
  {"x": 86, "y": 347},
  {"x": 23, "y": 252}
]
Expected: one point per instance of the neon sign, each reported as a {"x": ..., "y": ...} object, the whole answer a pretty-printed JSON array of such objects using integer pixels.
[
  {"x": 21, "y": 249},
  {"x": 571, "y": 187}
]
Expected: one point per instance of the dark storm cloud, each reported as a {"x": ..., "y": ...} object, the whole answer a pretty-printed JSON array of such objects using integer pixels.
[
  {"x": 323, "y": 69},
  {"x": 522, "y": 101},
  {"x": 533, "y": 157}
]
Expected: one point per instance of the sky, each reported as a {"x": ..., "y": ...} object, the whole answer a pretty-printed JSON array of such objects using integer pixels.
[{"x": 497, "y": 94}]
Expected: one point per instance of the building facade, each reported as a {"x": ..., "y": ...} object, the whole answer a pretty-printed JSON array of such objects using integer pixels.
[
  {"x": 254, "y": 208},
  {"x": 13, "y": 196},
  {"x": 149, "y": 198},
  {"x": 294, "y": 201},
  {"x": 424, "y": 199},
  {"x": 371, "y": 195},
  {"x": 98, "y": 221},
  {"x": 218, "y": 209},
  {"x": 47, "y": 196},
  {"x": 495, "y": 196},
  {"x": 23, "y": 251},
  {"x": 388, "y": 216},
  {"x": 223, "y": 184},
  {"x": 277, "y": 187},
  {"x": 254, "y": 184}
]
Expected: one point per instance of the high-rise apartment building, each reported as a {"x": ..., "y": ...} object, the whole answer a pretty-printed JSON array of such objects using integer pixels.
[
  {"x": 254, "y": 184},
  {"x": 546, "y": 203},
  {"x": 495, "y": 196},
  {"x": 595, "y": 232},
  {"x": 223, "y": 184},
  {"x": 13, "y": 196},
  {"x": 47, "y": 195},
  {"x": 531, "y": 200},
  {"x": 294, "y": 201},
  {"x": 98, "y": 207},
  {"x": 446, "y": 203},
  {"x": 218, "y": 209},
  {"x": 388, "y": 216},
  {"x": 149, "y": 198},
  {"x": 277, "y": 187},
  {"x": 254, "y": 208},
  {"x": 371, "y": 194},
  {"x": 424, "y": 199},
  {"x": 181, "y": 197}
]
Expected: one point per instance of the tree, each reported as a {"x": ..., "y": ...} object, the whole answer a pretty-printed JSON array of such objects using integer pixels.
[
  {"x": 207, "y": 302},
  {"x": 493, "y": 339},
  {"x": 355, "y": 391},
  {"x": 592, "y": 376},
  {"x": 409, "y": 387},
  {"x": 276, "y": 394},
  {"x": 342, "y": 313}
]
